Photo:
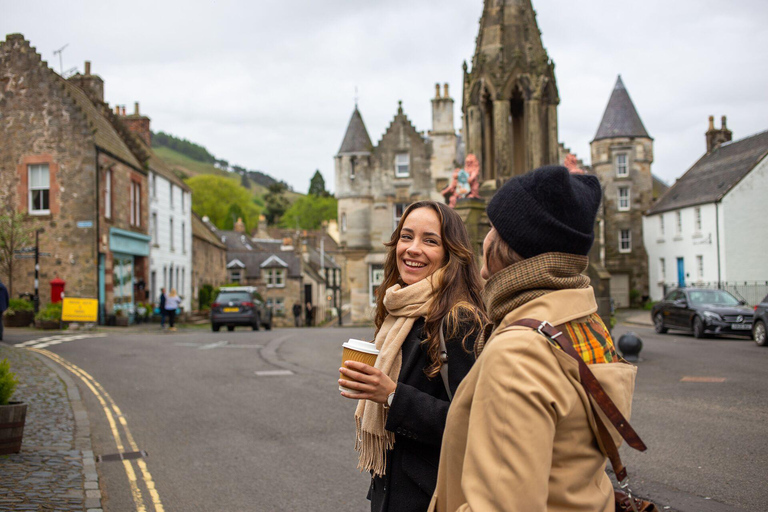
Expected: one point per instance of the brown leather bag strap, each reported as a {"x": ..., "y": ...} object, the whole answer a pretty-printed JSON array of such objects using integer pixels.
[{"x": 593, "y": 388}]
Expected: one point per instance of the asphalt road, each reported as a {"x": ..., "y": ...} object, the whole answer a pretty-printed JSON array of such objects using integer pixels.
[{"x": 252, "y": 421}]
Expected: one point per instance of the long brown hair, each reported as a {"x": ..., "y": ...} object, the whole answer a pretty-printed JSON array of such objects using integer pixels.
[{"x": 458, "y": 295}]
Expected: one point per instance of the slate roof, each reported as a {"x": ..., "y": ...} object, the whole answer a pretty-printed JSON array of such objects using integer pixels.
[
  {"x": 254, "y": 259},
  {"x": 620, "y": 118},
  {"x": 201, "y": 230},
  {"x": 356, "y": 140},
  {"x": 715, "y": 174}
]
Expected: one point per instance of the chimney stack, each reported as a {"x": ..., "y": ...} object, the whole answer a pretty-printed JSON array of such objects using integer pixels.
[
  {"x": 240, "y": 225},
  {"x": 136, "y": 108},
  {"x": 442, "y": 112},
  {"x": 93, "y": 85},
  {"x": 717, "y": 137},
  {"x": 138, "y": 124}
]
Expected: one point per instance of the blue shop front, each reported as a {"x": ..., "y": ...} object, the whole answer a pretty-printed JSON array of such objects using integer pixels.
[{"x": 123, "y": 276}]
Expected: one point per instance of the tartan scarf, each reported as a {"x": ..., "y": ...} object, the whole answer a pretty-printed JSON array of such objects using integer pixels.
[
  {"x": 530, "y": 279},
  {"x": 405, "y": 305}
]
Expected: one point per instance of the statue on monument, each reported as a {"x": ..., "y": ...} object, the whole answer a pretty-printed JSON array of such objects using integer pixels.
[{"x": 465, "y": 182}]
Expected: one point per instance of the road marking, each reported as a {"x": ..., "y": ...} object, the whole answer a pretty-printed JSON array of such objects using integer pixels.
[
  {"x": 107, "y": 403},
  {"x": 702, "y": 379},
  {"x": 218, "y": 344},
  {"x": 47, "y": 341},
  {"x": 209, "y": 346},
  {"x": 273, "y": 373}
]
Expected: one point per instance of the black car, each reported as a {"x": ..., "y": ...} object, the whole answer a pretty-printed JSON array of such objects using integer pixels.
[
  {"x": 702, "y": 311},
  {"x": 761, "y": 320},
  {"x": 240, "y": 305}
]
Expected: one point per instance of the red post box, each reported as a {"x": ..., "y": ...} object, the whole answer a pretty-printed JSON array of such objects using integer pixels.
[{"x": 57, "y": 289}]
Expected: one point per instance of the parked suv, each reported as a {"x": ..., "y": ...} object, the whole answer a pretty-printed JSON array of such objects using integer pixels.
[
  {"x": 761, "y": 320},
  {"x": 241, "y": 305}
]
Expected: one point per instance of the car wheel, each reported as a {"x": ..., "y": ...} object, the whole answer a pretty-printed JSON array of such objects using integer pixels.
[
  {"x": 658, "y": 323},
  {"x": 698, "y": 327},
  {"x": 215, "y": 327},
  {"x": 758, "y": 334},
  {"x": 255, "y": 325},
  {"x": 230, "y": 328}
]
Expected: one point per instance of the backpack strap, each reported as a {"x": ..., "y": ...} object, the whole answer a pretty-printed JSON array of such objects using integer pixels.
[{"x": 594, "y": 390}]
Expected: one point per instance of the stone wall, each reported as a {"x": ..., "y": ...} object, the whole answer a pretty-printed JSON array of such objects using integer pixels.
[{"x": 209, "y": 266}]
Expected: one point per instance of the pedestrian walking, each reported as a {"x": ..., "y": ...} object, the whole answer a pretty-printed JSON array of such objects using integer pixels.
[
  {"x": 431, "y": 292},
  {"x": 520, "y": 435},
  {"x": 4, "y": 301},
  {"x": 172, "y": 303},
  {"x": 296, "y": 313},
  {"x": 308, "y": 314},
  {"x": 161, "y": 306}
]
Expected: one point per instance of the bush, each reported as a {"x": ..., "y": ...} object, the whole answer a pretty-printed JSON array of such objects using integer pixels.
[
  {"x": 7, "y": 382},
  {"x": 205, "y": 296},
  {"x": 51, "y": 312},
  {"x": 20, "y": 305}
]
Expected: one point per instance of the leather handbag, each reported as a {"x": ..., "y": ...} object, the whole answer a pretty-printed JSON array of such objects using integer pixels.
[{"x": 624, "y": 500}]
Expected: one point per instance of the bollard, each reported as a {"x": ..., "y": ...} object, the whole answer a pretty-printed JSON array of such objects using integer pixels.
[{"x": 630, "y": 346}]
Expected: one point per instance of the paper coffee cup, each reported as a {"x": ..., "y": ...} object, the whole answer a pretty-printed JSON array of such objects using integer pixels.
[{"x": 357, "y": 350}]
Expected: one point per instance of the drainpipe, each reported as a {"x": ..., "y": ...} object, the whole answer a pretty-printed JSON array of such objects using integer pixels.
[
  {"x": 717, "y": 236},
  {"x": 99, "y": 317}
]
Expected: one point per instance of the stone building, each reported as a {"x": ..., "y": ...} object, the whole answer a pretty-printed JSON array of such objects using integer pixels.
[
  {"x": 209, "y": 259},
  {"x": 622, "y": 154},
  {"x": 75, "y": 171}
]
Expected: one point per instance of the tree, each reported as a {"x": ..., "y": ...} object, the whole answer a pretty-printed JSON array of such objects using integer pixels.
[
  {"x": 276, "y": 202},
  {"x": 15, "y": 234},
  {"x": 309, "y": 212},
  {"x": 317, "y": 185},
  {"x": 220, "y": 197}
]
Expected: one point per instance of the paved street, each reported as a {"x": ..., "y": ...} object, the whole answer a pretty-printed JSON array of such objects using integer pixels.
[{"x": 252, "y": 420}]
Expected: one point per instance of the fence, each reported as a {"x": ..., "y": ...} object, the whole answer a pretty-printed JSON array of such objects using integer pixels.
[{"x": 751, "y": 291}]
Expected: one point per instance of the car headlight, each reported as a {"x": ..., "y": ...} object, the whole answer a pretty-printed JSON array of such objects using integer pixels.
[{"x": 709, "y": 315}]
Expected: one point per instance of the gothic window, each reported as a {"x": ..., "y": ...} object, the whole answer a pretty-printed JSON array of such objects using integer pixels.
[
  {"x": 352, "y": 162},
  {"x": 39, "y": 189},
  {"x": 623, "y": 199},
  {"x": 402, "y": 165},
  {"x": 622, "y": 170},
  {"x": 625, "y": 240}
]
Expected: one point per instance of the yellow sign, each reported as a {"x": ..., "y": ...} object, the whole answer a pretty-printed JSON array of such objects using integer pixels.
[{"x": 80, "y": 310}]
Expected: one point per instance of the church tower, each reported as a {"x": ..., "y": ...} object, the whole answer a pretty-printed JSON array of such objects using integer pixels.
[{"x": 510, "y": 96}]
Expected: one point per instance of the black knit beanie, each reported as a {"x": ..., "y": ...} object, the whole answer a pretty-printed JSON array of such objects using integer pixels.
[{"x": 547, "y": 210}]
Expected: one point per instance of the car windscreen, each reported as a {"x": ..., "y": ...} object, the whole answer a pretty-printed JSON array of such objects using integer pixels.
[
  {"x": 234, "y": 297},
  {"x": 716, "y": 297}
]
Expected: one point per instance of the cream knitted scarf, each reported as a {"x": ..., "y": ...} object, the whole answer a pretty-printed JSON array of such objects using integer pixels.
[{"x": 404, "y": 305}]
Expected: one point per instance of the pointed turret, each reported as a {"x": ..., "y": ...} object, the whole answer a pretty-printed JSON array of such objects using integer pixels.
[
  {"x": 510, "y": 96},
  {"x": 620, "y": 118},
  {"x": 356, "y": 140}
]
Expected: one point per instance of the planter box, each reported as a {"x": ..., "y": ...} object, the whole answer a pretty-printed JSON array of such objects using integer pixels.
[
  {"x": 12, "y": 418},
  {"x": 19, "y": 319},
  {"x": 48, "y": 324},
  {"x": 121, "y": 321}
]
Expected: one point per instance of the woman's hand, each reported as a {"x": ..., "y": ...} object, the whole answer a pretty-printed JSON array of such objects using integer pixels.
[{"x": 373, "y": 385}]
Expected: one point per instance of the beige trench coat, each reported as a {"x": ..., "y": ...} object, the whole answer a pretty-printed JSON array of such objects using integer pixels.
[{"x": 519, "y": 435}]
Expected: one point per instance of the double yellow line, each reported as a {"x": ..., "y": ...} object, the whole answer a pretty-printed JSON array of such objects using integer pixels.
[{"x": 111, "y": 407}]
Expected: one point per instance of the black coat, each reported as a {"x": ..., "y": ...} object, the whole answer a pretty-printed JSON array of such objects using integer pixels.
[
  {"x": 4, "y": 299},
  {"x": 417, "y": 417}
]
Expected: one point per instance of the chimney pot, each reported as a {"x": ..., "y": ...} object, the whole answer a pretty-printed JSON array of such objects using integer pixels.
[
  {"x": 722, "y": 121},
  {"x": 87, "y": 68},
  {"x": 711, "y": 122},
  {"x": 123, "y": 109},
  {"x": 445, "y": 91},
  {"x": 117, "y": 110},
  {"x": 437, "y": 91},
  {"x": 136, "y": 108}
]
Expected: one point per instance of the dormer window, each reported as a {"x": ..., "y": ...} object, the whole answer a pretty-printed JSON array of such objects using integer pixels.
[{"x": 402, "y": 165}]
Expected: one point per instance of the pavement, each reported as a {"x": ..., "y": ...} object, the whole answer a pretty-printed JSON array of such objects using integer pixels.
[{"x": 55, "y": 469}]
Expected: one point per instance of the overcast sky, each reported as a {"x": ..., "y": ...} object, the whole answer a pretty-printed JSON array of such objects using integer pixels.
[{"x": 270, "y": 85}]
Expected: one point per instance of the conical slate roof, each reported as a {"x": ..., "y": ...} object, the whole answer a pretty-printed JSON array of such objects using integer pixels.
[
  {"x": 356, "y": 140},
  {"x": 620, "y": 118}
]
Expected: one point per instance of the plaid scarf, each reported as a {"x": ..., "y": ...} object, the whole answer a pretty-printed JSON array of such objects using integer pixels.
[
  {"x": 404, "y": 305},
  {"x": 530, "y": 279}
]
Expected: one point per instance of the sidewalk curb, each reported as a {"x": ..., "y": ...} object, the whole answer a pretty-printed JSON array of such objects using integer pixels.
[{"x": 82, "y": 437}]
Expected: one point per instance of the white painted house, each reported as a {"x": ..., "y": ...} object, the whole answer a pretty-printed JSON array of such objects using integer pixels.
[
  {"x": 708, "y": 229},
  {"x": 170, "y": 227}
]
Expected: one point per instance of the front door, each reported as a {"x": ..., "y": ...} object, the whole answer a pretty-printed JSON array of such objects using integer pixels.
[{"x": 680, "y": 273}]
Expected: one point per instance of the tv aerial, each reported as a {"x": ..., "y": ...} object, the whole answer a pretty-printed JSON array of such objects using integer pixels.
[{"x": 61, "y": 59}]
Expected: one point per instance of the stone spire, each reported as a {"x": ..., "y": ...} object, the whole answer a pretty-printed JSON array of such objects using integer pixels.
[
  {"x": 620, "y": 118},
  {"x": 356, "y": 140},
  {"x": 510, "y": 96}
]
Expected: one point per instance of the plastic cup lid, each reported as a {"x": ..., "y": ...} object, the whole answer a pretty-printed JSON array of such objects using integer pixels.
[{"x": 361, "y": 346}]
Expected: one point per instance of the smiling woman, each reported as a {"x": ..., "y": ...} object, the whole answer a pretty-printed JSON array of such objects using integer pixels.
[{"x": 430, "y": 291}]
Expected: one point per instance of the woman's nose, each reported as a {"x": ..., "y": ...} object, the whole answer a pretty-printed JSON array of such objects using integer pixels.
[{"x": 414, "y": 248}]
